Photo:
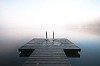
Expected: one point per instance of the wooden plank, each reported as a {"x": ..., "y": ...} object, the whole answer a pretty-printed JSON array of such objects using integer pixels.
[
  {"x": 47, "y": 64},
  {"x": 47, "y": 58}
]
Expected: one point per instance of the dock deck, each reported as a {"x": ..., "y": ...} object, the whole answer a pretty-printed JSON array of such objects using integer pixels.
[{"x": 47, "y": 52}]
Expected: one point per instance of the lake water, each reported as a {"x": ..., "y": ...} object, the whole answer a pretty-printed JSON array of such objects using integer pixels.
[{"x": 11, "y": 40}]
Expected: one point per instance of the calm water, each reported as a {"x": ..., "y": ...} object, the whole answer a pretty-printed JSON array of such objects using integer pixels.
[{"x": 11, "y": 40}]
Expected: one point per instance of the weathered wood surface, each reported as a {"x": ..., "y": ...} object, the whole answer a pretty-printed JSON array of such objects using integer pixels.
[
  {"x": 49, "y": 52},
  {"x": 47, "y": 57},
  {"x": 57, "y": 43}
]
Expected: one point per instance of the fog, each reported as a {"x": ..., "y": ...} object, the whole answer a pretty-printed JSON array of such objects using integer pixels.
[{"x": 42, "y": 15}]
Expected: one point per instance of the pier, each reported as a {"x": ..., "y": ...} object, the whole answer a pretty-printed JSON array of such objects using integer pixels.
[{"x": 49, "y": 52}]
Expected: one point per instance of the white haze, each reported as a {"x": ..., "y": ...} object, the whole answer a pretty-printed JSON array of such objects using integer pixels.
[{"x": 51, "y": 15}]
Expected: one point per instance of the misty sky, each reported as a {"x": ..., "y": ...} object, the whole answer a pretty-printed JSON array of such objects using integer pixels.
[{"x": 47, "y": 14}]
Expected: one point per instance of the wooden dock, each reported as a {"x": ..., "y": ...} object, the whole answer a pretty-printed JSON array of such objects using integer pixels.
[{"x": 48, "y": 52}]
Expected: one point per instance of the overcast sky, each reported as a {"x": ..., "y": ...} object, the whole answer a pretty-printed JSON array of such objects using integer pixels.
[{"x": 47, "y": 14}]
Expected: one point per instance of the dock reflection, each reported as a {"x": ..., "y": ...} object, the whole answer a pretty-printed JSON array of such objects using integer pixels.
[
  {"x": 26, "y": 53},
  {"x": 72, "y": 54}
]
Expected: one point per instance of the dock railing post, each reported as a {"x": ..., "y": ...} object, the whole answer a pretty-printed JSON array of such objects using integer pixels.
[
  {"x": 53, "y": 35},
  {"x": 46, "y": 36}
]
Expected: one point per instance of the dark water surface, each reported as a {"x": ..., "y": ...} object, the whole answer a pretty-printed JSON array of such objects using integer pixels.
[{"x": 10, "y": 41}]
